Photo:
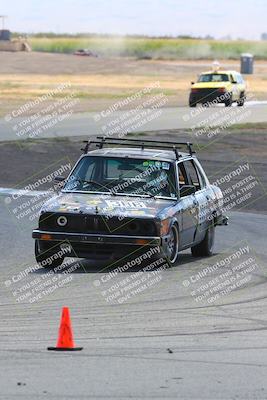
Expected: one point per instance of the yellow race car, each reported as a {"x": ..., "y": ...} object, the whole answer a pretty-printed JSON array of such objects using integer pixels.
[{"x": 218, "y": 87}]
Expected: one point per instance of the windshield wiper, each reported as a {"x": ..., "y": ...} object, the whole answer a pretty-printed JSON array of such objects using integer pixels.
[
  {"x": 134, "y": 194},
  {"x": 148, "y": 194}
]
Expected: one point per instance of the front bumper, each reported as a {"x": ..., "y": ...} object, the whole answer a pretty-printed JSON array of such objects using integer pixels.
[
  {"x": 89, "y": 238},
  {"x": 207, "y": 96}
]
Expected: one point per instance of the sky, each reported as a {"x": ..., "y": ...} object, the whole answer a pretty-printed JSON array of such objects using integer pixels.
[{"x": 237, "y": 18}]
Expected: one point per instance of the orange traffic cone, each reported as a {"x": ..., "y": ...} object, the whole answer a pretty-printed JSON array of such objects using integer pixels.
[{"x": 65, "y": 340}]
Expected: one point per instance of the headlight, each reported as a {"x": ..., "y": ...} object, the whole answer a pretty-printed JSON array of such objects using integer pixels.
[
  {"x": 62, "y": 220},
  {"x": 164, "y": 227}
]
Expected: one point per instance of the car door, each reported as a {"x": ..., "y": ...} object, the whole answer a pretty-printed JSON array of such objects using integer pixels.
[
  {"x": 203, "y": 197},
  {"x": 188, "y": 208},
  {"x": 241, "y": 84},
  {"x": 235, "y": 87}
]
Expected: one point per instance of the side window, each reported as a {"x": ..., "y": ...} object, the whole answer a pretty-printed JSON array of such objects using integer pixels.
[
  {"x": 201, "y": 177},
  {"x": 183, "y": 180},
  {"x": 192, "y": 174}
]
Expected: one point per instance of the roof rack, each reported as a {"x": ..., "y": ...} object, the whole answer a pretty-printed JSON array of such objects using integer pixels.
[{"x": 100, "y": 142}]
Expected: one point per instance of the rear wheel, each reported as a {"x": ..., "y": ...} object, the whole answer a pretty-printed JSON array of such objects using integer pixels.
[
  {"x": 172, "y": 246},
  {"x": 241, "y": 100},
  {"x": 205, "y": 248},
  {"x": 46, "y": 260}
]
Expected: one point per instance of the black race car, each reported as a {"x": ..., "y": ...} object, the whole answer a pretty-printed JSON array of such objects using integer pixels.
[{"x": 129, "y": 194}]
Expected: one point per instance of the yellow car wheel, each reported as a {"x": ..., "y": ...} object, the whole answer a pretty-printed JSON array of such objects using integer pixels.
[
  {"x": 241, "y": 101},
  {"x": 229, "y": 101}
]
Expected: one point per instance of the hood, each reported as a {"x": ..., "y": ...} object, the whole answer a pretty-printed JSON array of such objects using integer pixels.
[
  {"x": 98, "y": 204},
  {"x": 210, "y": 85}
]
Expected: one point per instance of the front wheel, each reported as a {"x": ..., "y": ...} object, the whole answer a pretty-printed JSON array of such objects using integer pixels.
[
  {"x": 46, "y": 260},
  {"x": 192, "y": 104},
  {"x": 172, "y": 245},
  {"x": 228, "y": 102},
  {"x": 205, "y": 248}
]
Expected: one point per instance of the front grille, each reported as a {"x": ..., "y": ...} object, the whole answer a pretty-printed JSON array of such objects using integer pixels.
[
  {"x": 80, "y": 223},
  {"x": 206, "y": 93}
]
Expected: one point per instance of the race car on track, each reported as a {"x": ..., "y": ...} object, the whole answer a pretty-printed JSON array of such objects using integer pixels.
[
  {"x": 218, "y": 87},
  {"x": 131, "y": 194}
]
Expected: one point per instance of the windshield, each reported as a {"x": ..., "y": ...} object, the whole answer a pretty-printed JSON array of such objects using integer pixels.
[
  {"x": 213, "y": 78},
  {"x": 123, "y": 176}
]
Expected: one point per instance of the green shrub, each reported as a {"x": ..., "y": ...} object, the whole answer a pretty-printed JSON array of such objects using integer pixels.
[{"x": 166, "y": 48}]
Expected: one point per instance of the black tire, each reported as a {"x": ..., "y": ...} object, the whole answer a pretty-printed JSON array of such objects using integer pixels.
[
  {"x": 228, "y": 102},
  {"x": 44, "y": 259},
  {"x": 241, "y": 101},
  {"x": 192, "y": 104},
  {"x": 172, "y": 247},
  {"x": 205, "y": 248}
]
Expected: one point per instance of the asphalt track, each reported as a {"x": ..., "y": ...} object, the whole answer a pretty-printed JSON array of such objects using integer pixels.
[
  {"x": 110, "y": 121},
  {"x": 216, "y": 350}
]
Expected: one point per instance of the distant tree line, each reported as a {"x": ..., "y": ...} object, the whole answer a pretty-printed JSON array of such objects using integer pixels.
[{"x": 104, "y": 35}]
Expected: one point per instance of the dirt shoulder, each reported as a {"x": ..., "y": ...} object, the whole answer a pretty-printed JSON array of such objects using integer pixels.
[
  {"x": 22, "y": 164},
  {"x": 100, "y": 82},
  {"x": 69, "y": 64}
]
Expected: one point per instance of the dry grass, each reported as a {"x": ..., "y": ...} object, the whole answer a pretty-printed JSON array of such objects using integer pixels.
[{"x": 94, "y": 91}]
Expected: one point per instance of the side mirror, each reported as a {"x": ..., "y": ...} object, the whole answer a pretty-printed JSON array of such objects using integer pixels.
[
  {"x": 186, "y": 190},
  {"x": 59, "y": 178},
  {"x": 234, "y": 81}
]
